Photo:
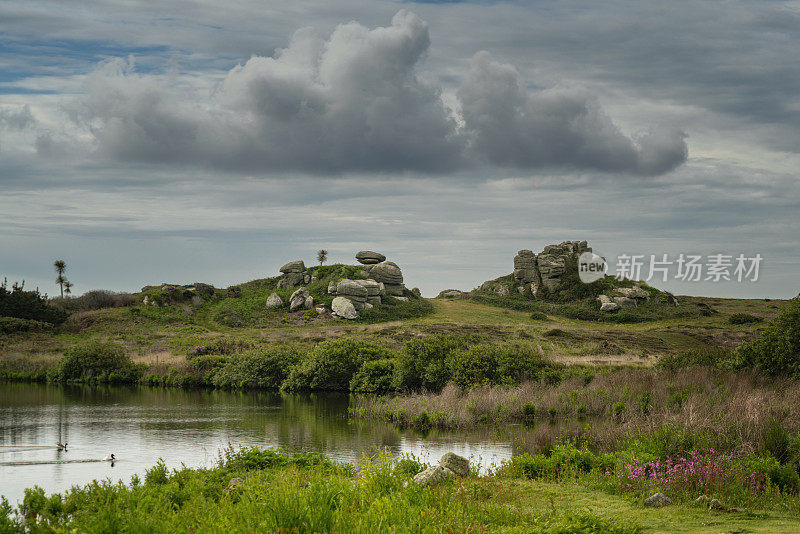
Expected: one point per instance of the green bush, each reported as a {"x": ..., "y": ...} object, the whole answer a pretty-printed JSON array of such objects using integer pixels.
[
  {"x": 776, "y": 352},
  {"x": 492, "y": 365},
  {"x": 539, "y": 316},
  {"x": 28, "y": 305},
  {"x": 12, "y": 325},
  {"x": 392, "y": 309},
  {"x": 374, "y": 376},
  {"x": 743, "y": 318},
  {"x": 100, "y": 361},
  {"x": 423, "y": 363},
  {"x": 718, "y": 358},
  {"x": 331, "y": 365},
  {"x": 259, "y": 369}
]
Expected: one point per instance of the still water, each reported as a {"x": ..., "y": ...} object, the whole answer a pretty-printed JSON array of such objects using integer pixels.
[{"x": 141, "y": 425}]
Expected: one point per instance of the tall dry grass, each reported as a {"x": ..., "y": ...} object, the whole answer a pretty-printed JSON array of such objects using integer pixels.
[{"x": 738, "y": 409}]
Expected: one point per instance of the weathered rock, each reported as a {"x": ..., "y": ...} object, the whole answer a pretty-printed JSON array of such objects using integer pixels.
[
  {"x": 290, "y": 280},
  {"x": 455, "y": 463},
  {"x": 716, "y": 505},
  {"x": 633, "y": 293},
  {"x": 234, "y": 484},
  {"x": 536, "y": 290},
  {"x": 351, "y": 290},
  {"x": 609, "y": 307},
  {"x": 368, "y": 257},
  {"x": 386, "y": 272},
  {"x": 604, "y": 299},
  {"x": 502, "y": 290},
  {"x": 657, "y": 500},
  {"x": 624, "y": 302},
  {"x": 433, "y": 475},
  {"x": 404, "y": 299},
  {"x": 296, "y": 266},
  {"x": 314, "y": 279},
  {"x": 521, "y": 290},
  {"x": 332, "y": 288},
  {"x": 308, "y": 303},
  {"x": 525, "y": 267},
  {"x": 298, "y": 299},
  {"x": 551, "y": 266},
  {"x": 320, "y": 309},
  {"x": 344, "y": 308},
  {"x": 552, "y": 284},
  {"x": 374, "y": 300},
  {"x": 274, "y": 301},
  {"x": 450, "y": 294},
  {"x": 306, "y": 278},
  {"x": 368, "y": 306},
  {"x": 373, "y": 288},
  {"x": 702, "y": 500},
  {"x": 394, "y": 289}
]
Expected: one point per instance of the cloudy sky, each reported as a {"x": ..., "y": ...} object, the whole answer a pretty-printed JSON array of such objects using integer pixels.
[{"x": 180, "y": 141}]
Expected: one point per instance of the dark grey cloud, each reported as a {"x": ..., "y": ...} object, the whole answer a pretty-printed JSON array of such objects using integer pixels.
[
  {"x": 511, "y": 126},
  {"x": 355, "y": 102},
  {"x": 16, "y": 118}
]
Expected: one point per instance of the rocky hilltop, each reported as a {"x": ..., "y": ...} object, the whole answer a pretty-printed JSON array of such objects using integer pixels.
[{"x": 552, "y": 275}]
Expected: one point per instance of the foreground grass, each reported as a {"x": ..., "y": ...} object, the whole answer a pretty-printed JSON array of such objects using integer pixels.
[{"x": 308, "y": 493}]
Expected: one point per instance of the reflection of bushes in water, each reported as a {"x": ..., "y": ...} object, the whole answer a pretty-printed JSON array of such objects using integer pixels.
[{"x": 97, "y": 361}]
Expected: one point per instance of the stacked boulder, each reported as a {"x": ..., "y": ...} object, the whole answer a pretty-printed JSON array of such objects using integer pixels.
[
  {"x": 294, "y": 274},
  {"x": 301, "y": 299},
  {"x": 352, "y": 291},
  {"x": 390, "y": 275}
]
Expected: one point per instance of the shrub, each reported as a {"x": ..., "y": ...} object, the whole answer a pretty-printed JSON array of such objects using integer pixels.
[
  {"x": 102, "y": 361},
  {"x": 374, "y": 376},
  {"x": 392, "y": 310},
  {"x": 98, "y": 299},
  {"x": 743, "y": 318},
  {"x": 254, "y": 458},
  {"x": 28, "y": 305},
  {"x": 423, "y": 362},
  {"x": 332, "y": 364},
  {"x": 11, "y": 325},
  {"x": 776, "y": 352},
  {"x": 718, "y": 358},
  {"x": 260, "y": 369},
  {"x": 539, "y": 316}
]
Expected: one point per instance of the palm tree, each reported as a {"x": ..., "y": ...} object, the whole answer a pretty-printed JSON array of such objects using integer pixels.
[
  {"x": 61, "y": 268},
  {"x": 322, "y": 255},
  {"x": 67, "y": 287}
]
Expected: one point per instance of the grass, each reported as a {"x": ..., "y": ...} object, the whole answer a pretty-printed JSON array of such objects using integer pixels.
[{"x": 277, "y": 492}]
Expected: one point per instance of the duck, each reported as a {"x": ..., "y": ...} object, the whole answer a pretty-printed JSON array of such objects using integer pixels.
[
  {"x": 61, "y": 446},
  {"x": 110, "y": 458}
]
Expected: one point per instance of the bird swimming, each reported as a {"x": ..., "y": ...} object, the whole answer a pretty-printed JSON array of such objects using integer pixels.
[
  {"x": 109, "y": 458},
  {"x": 61, "y": 446}
]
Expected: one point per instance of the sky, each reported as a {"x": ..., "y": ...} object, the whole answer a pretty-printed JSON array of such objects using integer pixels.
[{"x": 179, "y": 141}]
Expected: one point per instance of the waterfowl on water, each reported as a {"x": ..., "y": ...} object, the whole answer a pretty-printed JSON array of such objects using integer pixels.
[
  {"x": 109, "y": 458},
  {"x": 61, "y": 446}
]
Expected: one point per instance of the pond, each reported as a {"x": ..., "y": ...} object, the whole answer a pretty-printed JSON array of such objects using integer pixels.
[{"x": 140, "y": 425}]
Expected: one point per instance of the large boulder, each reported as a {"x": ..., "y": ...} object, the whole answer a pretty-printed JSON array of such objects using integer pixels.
[
  {"x": 344, "y": 308},
  {"x": 274, "y": 301},
  {"x": 455, "y": 463},
  {"x": 368, "y": 257},
  {"x": 624, "y": 302},
  {"x": 373, "y": 288},
  {"x": 298, "y": 299},
  {"x": 291, "y": 280},
  {"x": 525, "y": 267},
  {"x": 352, "y": 290},
  {"x": 633, "y": 293},
  {"x": 433, "y": 475},
  {"x": 387, "y": 272},
  {"x": 609, "y": 307},
  {"x": 296, "y": 266}
]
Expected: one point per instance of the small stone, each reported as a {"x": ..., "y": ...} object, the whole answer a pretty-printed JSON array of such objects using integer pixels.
[
  {"x": 716, "y": 506},
  {"x": 332, "y": 288},
  {"x": 234, "y": 484},
  {"x": 320, "y": 309},
  {"x": 433, "y": 475},
  {"x": 274, "y": 301},
  {"x": 309, "y": 302},
  {"x": 624, "y": 302},
  {"x": 633, "y": 293},
  {"x": 455, "y": 463},
  {"x": 404, "y": 299},
  {"x": 657, "y": 500},
  {"x": 604, "y": 299},
  {"x": 702, "y": 500}
]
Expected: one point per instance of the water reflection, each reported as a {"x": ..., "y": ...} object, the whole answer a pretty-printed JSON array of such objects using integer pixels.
[{"x": 141, "y": 425}]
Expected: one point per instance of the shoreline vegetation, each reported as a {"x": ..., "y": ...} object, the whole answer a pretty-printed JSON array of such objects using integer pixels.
[
  {"x": 698, "y": 403},
  {"x": 569, "y": 491}
]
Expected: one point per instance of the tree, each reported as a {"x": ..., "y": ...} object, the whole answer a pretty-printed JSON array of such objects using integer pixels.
[
  {"x": 67, "y": 287},
  {"x": 322, "y": 255},
  {"x": 61, "y": 268}
]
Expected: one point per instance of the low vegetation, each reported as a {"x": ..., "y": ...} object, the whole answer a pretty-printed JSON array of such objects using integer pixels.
[{"x": 256, "y": 490}]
